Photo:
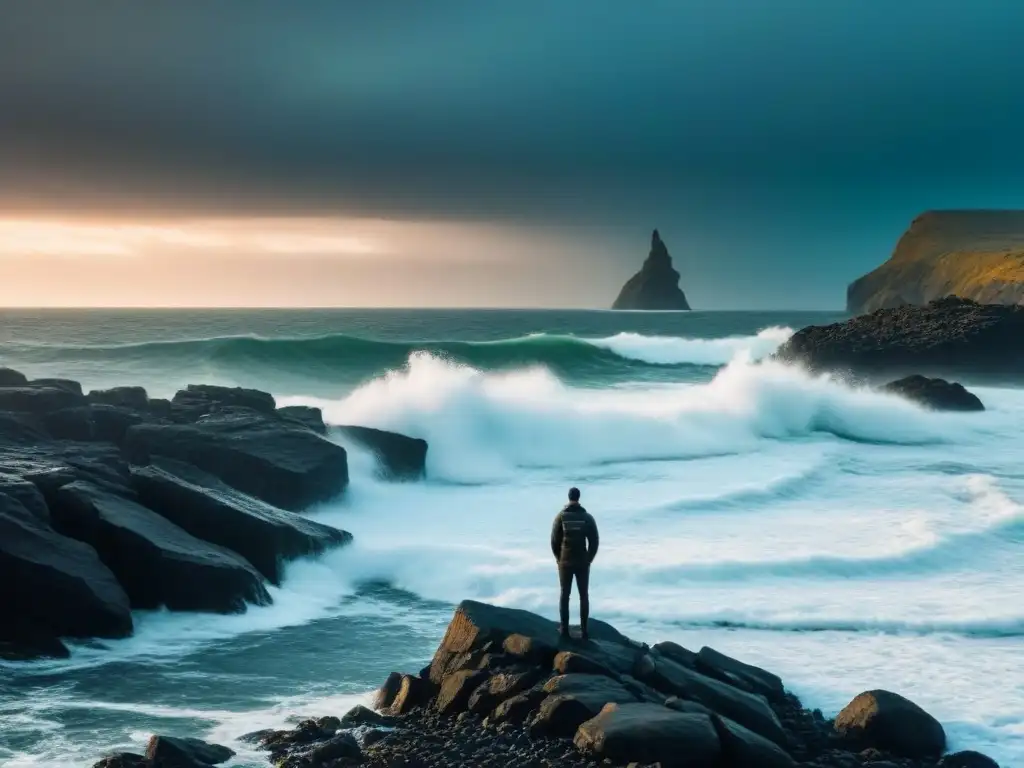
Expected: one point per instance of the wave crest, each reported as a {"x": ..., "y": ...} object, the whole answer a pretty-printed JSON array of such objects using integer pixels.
[{"x": 484, "y": 425}]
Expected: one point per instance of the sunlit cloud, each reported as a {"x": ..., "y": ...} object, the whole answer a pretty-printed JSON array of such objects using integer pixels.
[{"x": 297, "y": 237}]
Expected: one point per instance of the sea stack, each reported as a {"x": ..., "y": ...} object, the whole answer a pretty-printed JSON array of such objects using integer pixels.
[
  {"x": 975, "y": 255},
  {"x": 656, "y": 285}
]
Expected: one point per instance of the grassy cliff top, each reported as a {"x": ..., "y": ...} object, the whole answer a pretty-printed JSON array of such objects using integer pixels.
[{"x": 974, "y": 254}]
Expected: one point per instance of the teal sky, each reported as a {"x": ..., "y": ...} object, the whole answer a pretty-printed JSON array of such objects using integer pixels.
[{"x": 781, "y": 146}]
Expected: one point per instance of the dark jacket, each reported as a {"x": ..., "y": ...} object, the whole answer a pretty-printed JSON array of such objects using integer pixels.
[{"x": 574, "y": 536}]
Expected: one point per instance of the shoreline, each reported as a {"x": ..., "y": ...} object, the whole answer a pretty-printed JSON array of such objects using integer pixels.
[{"x": 503, "y": 689}]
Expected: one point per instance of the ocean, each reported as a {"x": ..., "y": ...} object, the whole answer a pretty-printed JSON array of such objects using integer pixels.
[{"x": 842, "y": 538}]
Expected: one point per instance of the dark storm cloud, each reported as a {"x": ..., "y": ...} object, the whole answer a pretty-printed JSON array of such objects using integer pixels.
[{"x": 452, "y": 108}]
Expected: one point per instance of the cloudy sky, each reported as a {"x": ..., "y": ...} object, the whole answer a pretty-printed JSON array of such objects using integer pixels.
[{"x": 458, "y": 152}]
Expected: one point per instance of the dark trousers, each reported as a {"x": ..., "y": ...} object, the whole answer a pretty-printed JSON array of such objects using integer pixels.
[{"x": 566, "y": 573}]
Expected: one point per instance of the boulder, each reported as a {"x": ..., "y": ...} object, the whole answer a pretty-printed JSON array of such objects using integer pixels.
[
  {"x": 307, "y": 732},
  {"x": 533, "y": 650},
  {"x": 55, "y": 584},
  {"x": 648, "y": 733},
  {"x": 214, "y": 511},
  {"x": 360, "y": 715},
  {"x": 12, "y": 378},
  {"x": 71, "y": 423},
  {"x": 747, "y": 709},
  {"x": 413, "y": 692},
  {"x": 677, "y": 653},
  {"x": 456, "y": 690},
  {"x": 157, "y": 562},
  {"x": 568, "y": 662},
  {"x": 891, "y": 723},
  {"x": 126, "y": 397},
  {"x": 400, "y": 457},
  {"x": 574, "y": 699},
  {"x": 386, "y": 693},
  {"x": 728, "y": 669},
  {"x": 282, "y": 464},
  {"x": 560, "y": 715},
  {"x": 204, "y": 396},
  {"x": 306, "y": 415},
  {"x": 37, "y": 399},
  {"x": 501, "y": 687},
  {"x": 173, "y": 752},
  {"x": 967, "y": 759},
  {"x": 21, "y": 429},
  {"x": 111, "y": 422},
  {"x": 656, "y": 285},
  {"x": 338, "y": 747},
  {"x": 937, "y": 394},
  {"x": 517, "y": 709},
  {"x": 68, "y": 385},
  {"x": 741, "y": 746},
  {"x": 520, "y": 633},
  {"x": 27, "y": 494}
]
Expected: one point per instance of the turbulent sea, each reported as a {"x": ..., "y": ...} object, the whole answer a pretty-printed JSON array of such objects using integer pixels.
[{"x": 842, "y": 538}]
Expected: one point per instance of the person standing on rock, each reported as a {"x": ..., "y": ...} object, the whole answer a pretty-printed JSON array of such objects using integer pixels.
[{"x": 574, "y": 543}]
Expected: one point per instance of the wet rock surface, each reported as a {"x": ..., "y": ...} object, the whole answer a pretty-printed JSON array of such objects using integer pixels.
[
  {"x": 937, "y": 394},
  {"x": 112, "y": 501},
  {"x": 467, "y": 710},
  {"x": 950, "y": 336}
]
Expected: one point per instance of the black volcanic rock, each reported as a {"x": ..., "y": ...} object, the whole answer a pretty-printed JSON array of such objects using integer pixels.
[
  {"x": 400, "y": 457},
  {"x": 948, "y": 336},
  {"x": 157, "y": 563},
  {"x": 938, "y": 394},
  {"x": 53, "y": 584},
  {"x": 656, "y": 285},
  {"x": 12, "y": 378},
  {"x": 213, "y": 511},
  {"x": 283, "y": 464},
  {"x": 477, "y": 713}
]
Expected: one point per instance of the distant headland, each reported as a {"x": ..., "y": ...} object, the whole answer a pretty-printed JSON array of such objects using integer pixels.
[{"x": 975, "y": 255}]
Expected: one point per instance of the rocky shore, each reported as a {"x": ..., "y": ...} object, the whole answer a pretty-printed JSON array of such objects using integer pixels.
[
  {"x": 504, "y": 690},
  {"x": 949, "y": 336},
  {"x": 113, "y": 501}
]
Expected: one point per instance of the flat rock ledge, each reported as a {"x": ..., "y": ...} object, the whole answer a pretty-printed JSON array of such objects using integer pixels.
[{"x": 504, "y": 690}]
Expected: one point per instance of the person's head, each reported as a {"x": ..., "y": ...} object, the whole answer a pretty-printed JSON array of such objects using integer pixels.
[{"x": 574, "y": 494}]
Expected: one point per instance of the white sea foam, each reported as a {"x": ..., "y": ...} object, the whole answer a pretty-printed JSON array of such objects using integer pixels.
[
  {"x": 485, "y": 426},
  {"x": 841, "y": 537},
  {"x": 673, "y": 350}
]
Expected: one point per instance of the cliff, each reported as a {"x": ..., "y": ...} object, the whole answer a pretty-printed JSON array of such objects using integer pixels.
[
  {"x": 977, "y": 255},
  {"x": 656, "y": 285}
]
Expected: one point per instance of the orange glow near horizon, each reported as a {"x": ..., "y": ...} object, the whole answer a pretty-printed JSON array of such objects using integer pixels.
[{"x": 48, "y": 261}]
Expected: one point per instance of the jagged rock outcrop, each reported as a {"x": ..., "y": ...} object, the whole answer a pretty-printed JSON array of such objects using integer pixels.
[
  {"x": 115, "y": 500},
  {"x": 949, "y": 336},
  {"x": 498, "y": 693},
  {"x": 656, "y": 285},
  {"x": 972, "y": 254}
]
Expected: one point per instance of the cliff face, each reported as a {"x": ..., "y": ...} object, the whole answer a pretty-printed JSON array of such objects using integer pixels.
[
  {"x": 656, "y": 285},
  {"x": 972, "y": 254}
]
